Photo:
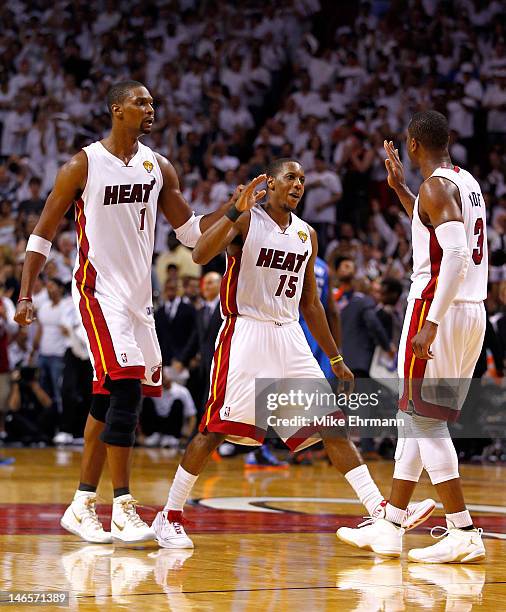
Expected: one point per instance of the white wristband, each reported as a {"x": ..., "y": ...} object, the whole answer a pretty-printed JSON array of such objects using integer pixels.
[
  {"x": 189, "y": 232},
  {"x": 38, "y": 245}
]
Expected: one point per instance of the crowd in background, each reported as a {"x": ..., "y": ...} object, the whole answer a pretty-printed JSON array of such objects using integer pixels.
[{"x": 235, "y": 85}]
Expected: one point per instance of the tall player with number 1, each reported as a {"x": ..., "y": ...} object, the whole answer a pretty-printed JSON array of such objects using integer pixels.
[{"x": 117, "y": 184}]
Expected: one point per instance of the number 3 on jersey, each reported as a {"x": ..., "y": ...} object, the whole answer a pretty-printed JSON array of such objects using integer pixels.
[
  {"x": 478, "y": 231},
  {"x": 291, "y": 288}
]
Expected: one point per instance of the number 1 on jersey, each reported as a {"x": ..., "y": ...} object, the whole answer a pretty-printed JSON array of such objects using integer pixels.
[{"x": 143, "y": 216}]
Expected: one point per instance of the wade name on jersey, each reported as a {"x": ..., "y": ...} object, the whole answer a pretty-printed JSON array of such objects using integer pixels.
[
  {"x": 128, "y": 194},
  {"x": 281, "y": 260}
]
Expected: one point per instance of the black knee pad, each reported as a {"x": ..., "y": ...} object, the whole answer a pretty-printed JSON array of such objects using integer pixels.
[
  {"x": 99, "y": 407},
  {"x": 123, "y": 414}
]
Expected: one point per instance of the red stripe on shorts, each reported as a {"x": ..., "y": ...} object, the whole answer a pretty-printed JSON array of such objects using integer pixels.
[
  {"x": 414, "y": 372},
  {"x": 221, "y": 363}
]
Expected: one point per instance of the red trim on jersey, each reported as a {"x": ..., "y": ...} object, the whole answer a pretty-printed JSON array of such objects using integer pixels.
[
  {"x": 98, "y": 389},
  {"x": 228, "y": 288},
  {"x": 93, "y": 319},
  {"x": 456, "y": 168},
  {"x": 414, "y": 372},
  {"x": 152, "y": 390},
  {"x": 436, "y": 254},
  {"x": 221, "y": 362}
]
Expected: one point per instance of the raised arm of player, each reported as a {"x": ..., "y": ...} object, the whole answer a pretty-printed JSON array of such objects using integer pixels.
[
  {"x": 314, "y": 314},
  {"x": 396, "y": 178},
  {"x": 440, "y": 205},
  {"x": 217, "y": 238},
  {"x": 70, "y": 182},
  {"x": 173, "y": 205}
]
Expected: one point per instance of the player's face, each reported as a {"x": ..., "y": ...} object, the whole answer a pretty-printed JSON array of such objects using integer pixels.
[
  {"x": 287, "y": 187},
  {"x": 138, "y": 111}
]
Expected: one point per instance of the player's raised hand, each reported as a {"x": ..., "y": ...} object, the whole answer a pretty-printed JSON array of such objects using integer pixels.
[
  {"x": 393, "y": 164},
  {"x": 235, "y": 196},
  {"x": 24, "y": 313},
  {"x": 248, "y": 196}
]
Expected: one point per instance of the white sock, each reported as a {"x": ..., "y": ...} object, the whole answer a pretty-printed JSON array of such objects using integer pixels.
[
  {"x": 460, "y": 519},
  {"x": 180, "y": 490},
  {"x": 395, "y": 515},
  {"x": 83, "y": 494},
  {"x": 365, "y": 487}
]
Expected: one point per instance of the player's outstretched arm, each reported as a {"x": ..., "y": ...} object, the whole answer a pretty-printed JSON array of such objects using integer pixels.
[
  {"x": 396, "y": 178},
  {"x": 235, "y": 223},
  {"x": 314, "y": 314},
  {"x": 177, "y": 211},
  {"x": 70, "y": 182}
]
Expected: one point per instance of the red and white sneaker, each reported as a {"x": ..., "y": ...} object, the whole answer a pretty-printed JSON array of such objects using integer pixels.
[
  {"x": 416, "y": 513},
  {"x": 169, "y": 530}
]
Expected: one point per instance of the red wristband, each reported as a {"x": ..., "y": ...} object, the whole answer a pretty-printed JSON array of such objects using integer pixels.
[{"x": 25, "y": 299}]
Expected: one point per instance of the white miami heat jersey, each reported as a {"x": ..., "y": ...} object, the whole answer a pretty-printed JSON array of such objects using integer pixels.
[
  {"x": 115, "y": 223},
  {"x": 265, "y": 281},
  {"x": 427, "y": 253}
]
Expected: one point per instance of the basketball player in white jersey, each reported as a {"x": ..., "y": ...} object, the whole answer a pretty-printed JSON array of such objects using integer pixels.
[
  {"x": 117, "y": 185},
  {"x": 440, "y": 343},
  {"x": 270, "y": 273}
]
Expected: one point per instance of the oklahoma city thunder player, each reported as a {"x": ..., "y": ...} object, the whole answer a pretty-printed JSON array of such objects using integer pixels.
[
  {"x": 117, "y": 184},
  {"x": 270, "y": 271},
  {"x": 440, "y": 343}
]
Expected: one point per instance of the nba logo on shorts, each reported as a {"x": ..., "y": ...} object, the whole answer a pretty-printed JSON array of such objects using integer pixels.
[
  {"x": 226, "y": 412},
  {"x": 124, "y": 357}
]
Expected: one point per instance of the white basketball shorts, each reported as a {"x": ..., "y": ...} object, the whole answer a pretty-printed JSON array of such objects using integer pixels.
[
  {"x": 247, "y": 349},
  {"x": 121, "y": 344},
  {"x": 438, "y": 387}
]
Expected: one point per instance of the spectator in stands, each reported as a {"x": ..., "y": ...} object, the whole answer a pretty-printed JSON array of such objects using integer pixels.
[
  {"x": 51, "y": 340},
  {"x": 30, "y": 419},
  {"x": 170, "y": 420},
  {"x": 175, "y": 322},
  {"x": 199, "y": 349}
]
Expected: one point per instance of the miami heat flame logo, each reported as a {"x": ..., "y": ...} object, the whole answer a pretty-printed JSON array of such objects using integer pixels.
[
  {"x": 148, "y": 165},
  {"x": 302, "y": 235},
  {"x": 155, "y": 373}
]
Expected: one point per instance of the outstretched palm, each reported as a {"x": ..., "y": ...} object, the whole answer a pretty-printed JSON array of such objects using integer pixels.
[
  {"x": 394, "y": 166},
  {"x": 249, "y": 197}
]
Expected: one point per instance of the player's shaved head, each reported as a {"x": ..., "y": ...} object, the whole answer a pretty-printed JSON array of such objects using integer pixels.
[
  {"x": 276, "y": 164},
  {"x": 430, "y": 129},
  {"x": 119, "y": 91}
]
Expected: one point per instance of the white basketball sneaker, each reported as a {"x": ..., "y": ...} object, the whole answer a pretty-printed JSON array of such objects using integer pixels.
[
  {"x": 126, "y": 524},
  {"x": 456, "y": 546},
  {"x": 81, "y": 519},
  {"x": 169, "y": 530},
  {"x": 380, "y": 536}
]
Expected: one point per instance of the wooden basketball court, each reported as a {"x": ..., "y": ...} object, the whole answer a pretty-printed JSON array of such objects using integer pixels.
[{"x": 264, "y": 540}]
